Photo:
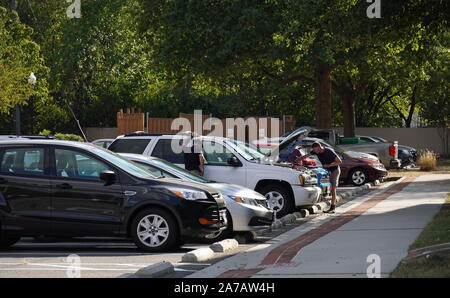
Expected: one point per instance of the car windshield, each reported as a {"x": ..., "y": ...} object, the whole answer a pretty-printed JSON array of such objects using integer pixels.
[
  {"x": 178, "y": 170},
  {"x": 123, "y": 163},
  {"x": 246, "y": 150}
]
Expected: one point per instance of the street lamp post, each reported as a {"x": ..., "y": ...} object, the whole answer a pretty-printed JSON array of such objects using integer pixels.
[{"x": 32, "y": 80}]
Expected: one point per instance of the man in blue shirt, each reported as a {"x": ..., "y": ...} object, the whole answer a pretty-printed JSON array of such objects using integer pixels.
[{"x": 331, "y": 161}]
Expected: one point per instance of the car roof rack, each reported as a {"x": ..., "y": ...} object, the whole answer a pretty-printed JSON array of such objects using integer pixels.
[
  {"x": 142, "y": 134},
  {"x": 26, "y": 137}
]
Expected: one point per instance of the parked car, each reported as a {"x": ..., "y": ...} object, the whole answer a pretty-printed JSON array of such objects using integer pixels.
[
  {"x": 357, "y": 168},
  {"x": 406, "y": 154},
  {"x": 104, "y": 143},
  {"x": 247, "y": 209},
  {"x": 70, "y": 189},
  {"x": 233, "y": 162}
]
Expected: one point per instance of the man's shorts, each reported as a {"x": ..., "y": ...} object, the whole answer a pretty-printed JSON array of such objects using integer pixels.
[{"x": 334, "y": 177}]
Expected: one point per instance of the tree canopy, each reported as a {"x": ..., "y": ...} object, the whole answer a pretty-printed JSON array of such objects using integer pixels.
[{"x": 326, "y": 62}]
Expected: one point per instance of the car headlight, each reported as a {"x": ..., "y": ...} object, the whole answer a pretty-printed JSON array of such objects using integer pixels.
[
  {"x": 189, "y": 194},
  {"x": 305, "y": 179},
  {"x": 378, "y": 166},
  {"x": 244, "y": 200}
]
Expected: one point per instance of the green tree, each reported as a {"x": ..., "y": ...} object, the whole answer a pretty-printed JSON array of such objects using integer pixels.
[{"x": 19, "y": 56}]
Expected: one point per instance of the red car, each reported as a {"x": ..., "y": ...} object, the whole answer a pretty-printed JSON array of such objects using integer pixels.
[{"x": 357, "y": 167}]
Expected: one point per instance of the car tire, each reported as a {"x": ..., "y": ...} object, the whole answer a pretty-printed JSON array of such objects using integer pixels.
[
  {"x": 224, "y": 234},
  {"x": 358, "y": 177},
  {"x": 154, "y": 229},
  {"x": 279, "y": 199}
]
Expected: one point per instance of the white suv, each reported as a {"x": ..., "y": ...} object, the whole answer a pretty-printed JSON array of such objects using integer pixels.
[{"x": 235, "y": 162}]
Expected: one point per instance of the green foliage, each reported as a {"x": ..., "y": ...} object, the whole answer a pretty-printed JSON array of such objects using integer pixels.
[
  {"x": 62, "y": 136},
  {"x": 19, "y": 56},
  {"x": 229, "y": 58}
]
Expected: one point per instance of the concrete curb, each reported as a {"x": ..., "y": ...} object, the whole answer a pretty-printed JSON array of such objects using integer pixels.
[
  {"x": 207, "y": 253},
  {"x": 155, "y": 270},
  {"x": 198, "y": 255},
  {"x": 224, "y": 245},
  {"x": 152, "y": 271}
]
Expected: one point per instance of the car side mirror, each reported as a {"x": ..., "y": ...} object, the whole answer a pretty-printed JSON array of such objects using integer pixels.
[
  {"x": 109, "y": 177},
  {"x": 233, "y": 161}
]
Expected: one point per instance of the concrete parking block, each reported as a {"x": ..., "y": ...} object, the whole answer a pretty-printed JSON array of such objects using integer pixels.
[
  {"x": 288, "y": 218},
  {"x": 304, "y": 212},
  {"x": 198, "y": 255},
  {"x": 313, "y": 209},
  {"x": 298, "y": 214},
  {"x": 323, "y": 205},
  {"x": 224, "y": 245},
  {"x": 155, "y": 270}
]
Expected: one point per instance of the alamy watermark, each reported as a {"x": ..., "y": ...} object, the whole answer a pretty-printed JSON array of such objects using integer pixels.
[
  {"x": 374, "y": 269},
  {"x": 74, "y": 9},
  {"x": 374, "y": 9},
  {"x": 74, "y": 270}
]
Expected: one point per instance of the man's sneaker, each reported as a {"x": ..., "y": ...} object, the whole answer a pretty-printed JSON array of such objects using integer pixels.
[{"x": 331, "y": 210}]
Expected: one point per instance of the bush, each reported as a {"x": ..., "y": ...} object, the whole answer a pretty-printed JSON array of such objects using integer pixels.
[
  {"x": 62, "y": 136},
  {"x": 427, "y": 160},
  {"x": 68, "y": 137}
]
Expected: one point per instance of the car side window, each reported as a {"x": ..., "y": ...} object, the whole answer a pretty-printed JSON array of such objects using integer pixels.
[
  {"x": 163, "y": 150},
  {"x": 73, "y": 164},
  {"x": 216, "y": 154},
  {"x": 23, "y": 161}
]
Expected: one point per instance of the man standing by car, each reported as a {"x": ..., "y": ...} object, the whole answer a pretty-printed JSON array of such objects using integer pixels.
[
  {"x": 193, "y": 156},
  {"x": 331, "y": 161}
]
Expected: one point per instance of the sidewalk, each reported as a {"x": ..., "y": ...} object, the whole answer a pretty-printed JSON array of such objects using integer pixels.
[{"x": 384, "y": 222}]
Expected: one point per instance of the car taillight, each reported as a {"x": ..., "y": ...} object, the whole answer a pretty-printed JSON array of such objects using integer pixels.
[{"x": 392, "y": 150}]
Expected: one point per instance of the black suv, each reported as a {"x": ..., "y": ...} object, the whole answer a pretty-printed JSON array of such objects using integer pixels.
[{"x": 70, "y": 189}]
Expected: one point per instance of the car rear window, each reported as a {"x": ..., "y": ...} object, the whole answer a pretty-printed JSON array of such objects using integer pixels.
[{"x": 136, "y": 146}]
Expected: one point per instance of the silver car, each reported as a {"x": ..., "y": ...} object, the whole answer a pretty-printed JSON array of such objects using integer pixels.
[{"x": 247, "y": 209}]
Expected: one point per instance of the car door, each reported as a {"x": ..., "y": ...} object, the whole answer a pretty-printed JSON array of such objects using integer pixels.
[
  {"x": 25, "y": 190},
  {"x": 82, "y": 204},
  {"x": 217, "y": 166}
]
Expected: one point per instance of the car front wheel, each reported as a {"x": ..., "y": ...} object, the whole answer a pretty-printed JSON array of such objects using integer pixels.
[
  {"x": 155, "y": 230},
  {"x": 358, "y": 177},
  {"x": 279, "y": 199}
]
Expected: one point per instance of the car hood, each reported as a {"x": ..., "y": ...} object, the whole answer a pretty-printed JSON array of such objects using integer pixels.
[
  {"x": 361, "y": 155},
  {"x": 301, "y": 132},
  {"x": 237, "y": 191},
  {"x": 189, "y": 184}
]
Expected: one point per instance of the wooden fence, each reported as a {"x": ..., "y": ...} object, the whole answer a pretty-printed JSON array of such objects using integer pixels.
[
  {"x": 129, "y": 122},
  {"x": 248, "y": 129}
]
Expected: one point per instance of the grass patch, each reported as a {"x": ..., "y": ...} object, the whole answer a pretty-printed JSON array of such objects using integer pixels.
[
  {"x": 437, "y": 266},
  {"x": 436, "y": 232}
]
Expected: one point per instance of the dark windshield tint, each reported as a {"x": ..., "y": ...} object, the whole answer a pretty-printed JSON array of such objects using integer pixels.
[
  {"x": 163, "y": 150},
  {"x": 136, "y": 146}
]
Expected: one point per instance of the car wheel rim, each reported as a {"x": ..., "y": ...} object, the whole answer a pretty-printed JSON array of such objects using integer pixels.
[
  {"x": 214, "y": 235},
  {"x": 358, "y": 177},
  {"x": 153, "y": 230},
  {"x": 275, "y": 201}
]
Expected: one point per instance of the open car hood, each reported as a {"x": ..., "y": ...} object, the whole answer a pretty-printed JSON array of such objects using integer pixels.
[{"x": 301, "y": 132}]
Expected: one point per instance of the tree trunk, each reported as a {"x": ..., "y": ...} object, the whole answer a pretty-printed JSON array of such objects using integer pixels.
[
  {"x": 348, "y": 104},
  {"x": 323, "y": 97}
]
